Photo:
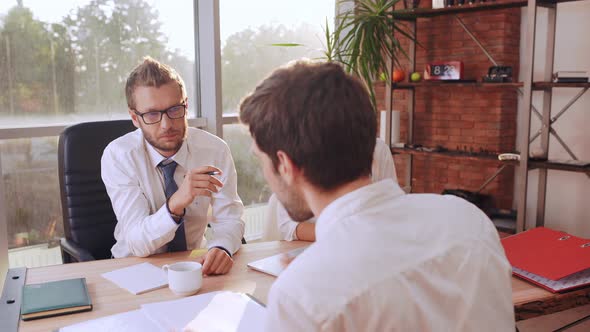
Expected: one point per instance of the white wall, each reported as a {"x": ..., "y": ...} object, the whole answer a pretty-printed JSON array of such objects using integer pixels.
[{"x": 568, "y": 194}]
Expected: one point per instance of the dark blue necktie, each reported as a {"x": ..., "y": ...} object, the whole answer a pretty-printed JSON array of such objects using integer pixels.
[{"x": 178, "y": 243}]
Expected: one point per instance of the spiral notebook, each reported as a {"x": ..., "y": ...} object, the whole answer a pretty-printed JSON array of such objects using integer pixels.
[{"x": 554, "y": 260}]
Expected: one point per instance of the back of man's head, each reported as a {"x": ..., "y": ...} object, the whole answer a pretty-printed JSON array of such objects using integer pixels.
[{"x": 319, "y": 116}]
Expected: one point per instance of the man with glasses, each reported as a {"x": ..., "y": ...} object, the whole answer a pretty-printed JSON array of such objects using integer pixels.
[{"x": 163, "y": 177}]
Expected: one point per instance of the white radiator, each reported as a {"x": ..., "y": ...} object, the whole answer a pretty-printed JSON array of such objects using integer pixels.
[
  {"x": 254, "y": 217},
  {"x": 34, "y": 256}
]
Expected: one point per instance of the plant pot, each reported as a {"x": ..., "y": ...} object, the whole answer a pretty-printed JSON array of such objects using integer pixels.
[{"x": 411, "y": 4}]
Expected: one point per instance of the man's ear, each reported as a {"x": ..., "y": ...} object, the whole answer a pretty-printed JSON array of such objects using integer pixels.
[
  {"x": 134, "y": 118},
  {"x": 287, "y": 168}
]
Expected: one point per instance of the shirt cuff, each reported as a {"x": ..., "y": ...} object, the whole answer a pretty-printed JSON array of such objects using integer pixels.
[
  {"x": 291, "y": 234},
  {"x": 178, "y": 219},
  {"x": 164, "y": 223},
  {"x": 222, "y": 248}
]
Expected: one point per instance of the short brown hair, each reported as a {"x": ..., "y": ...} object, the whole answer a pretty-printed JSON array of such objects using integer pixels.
[
  {"x": 319, "y": 116},
  {"x": 150, "y": 72}
]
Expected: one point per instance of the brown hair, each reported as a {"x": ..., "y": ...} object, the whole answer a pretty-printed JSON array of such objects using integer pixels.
[
  {"x": 150, "y": 72},
  {"x": 319, "y": 116}
]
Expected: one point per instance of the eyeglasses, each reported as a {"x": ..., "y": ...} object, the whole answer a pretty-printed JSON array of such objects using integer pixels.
[{"x": 153, "y": 117}]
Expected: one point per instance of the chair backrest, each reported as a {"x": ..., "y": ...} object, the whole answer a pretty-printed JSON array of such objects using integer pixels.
[{"x": 89, "y": 220}]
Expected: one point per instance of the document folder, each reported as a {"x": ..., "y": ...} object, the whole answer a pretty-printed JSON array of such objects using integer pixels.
[{"x": 554, "y": 260}]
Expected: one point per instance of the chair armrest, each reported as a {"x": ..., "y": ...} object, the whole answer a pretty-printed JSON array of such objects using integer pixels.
[{"x": 78, "y": 253}]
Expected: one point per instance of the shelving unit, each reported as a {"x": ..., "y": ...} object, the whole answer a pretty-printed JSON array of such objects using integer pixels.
[
  {"x": 547, "y": 121},
  {"x": 559, "y": 166},
  {"x": 454, "y": 154},
  {"x": 413, "y": 14},
  {"x": 526, "y": 89},
  {"x": 407, "y": 86},
  {"x": 536, "y": 85}
]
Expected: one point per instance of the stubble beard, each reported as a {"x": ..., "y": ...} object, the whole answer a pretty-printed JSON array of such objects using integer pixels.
[
  {"x": 294, "y": 203},
  {"x": 167, "y": 147}
]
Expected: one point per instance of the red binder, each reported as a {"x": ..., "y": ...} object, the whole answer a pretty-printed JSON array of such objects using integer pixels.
[{"x": 554, "y": 260}]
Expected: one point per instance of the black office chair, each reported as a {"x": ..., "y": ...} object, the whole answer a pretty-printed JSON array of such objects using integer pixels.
[{"x": 89, "y": 220}]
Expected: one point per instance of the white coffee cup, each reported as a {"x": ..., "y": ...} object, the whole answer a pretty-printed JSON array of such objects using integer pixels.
[{"x": 184, "y": 278}]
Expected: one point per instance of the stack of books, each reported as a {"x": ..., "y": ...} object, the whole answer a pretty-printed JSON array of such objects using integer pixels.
[{"x": 580, "y": 76}]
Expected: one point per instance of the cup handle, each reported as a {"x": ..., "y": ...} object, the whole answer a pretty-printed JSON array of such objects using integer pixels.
[{"x": 165, "y": 268}]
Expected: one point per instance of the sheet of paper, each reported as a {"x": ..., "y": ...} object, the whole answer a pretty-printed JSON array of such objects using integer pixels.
[
  {"x": 131, "y": 321},
  {"x": 228, "y": 312},
  {"x": 174, "y": 315},
  {"x": 177, "y": 314},
  {"x": 139, "y": 278}
]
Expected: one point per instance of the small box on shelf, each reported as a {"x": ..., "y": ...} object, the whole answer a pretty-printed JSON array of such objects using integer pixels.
[{"x": 438, "y": 4}]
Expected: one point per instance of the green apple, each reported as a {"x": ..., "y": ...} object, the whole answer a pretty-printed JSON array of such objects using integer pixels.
[
  {"x": 415, "y": 77},
  {"x": 382, "y": 77}
]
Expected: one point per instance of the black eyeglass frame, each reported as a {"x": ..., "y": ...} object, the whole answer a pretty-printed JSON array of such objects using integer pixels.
[{"x": 161, "y": 113}]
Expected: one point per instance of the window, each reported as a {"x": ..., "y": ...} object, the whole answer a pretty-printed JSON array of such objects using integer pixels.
[
  {"x": 66, "y": 62},
  {"x": 247, "y": 56}
]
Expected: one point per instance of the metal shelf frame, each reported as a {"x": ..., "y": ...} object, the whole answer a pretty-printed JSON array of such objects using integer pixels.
[
  {"x": 546, "y": 88},
  {"x": 525, "y": 90}
]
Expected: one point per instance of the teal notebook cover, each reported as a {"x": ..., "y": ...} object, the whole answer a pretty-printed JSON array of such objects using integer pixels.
[{"x": 55, "y": 298}]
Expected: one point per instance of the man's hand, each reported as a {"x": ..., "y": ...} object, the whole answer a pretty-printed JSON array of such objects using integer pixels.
[
  {"x": 305, "y": 231},
  {"x": 216, "y": 261},
  {"x": 196, "y": 183}
]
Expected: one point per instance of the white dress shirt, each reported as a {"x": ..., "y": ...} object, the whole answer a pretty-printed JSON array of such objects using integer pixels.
[
  {"x": 135, "y": 185},
  {"x": 389, "y": 261},
  {"x": 382, "y": 168}
]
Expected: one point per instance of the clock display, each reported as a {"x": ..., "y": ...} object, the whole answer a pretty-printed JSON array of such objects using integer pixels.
[{"x": 450, "y": 70}]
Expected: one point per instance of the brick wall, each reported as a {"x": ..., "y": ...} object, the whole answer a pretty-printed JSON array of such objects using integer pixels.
[{"x": 463, "y": 118}]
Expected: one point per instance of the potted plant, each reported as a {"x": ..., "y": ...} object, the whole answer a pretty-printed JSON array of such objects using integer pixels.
[{"x": 364, "y": 40}]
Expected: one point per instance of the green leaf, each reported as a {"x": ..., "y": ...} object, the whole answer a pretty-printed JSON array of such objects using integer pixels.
[{"x": 287, "y": 44}]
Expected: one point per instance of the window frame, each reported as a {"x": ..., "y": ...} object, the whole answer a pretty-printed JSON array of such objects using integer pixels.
[{"x": 208, "y": 112}]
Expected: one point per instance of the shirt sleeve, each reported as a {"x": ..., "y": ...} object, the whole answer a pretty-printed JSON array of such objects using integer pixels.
[
  {"x": 286, "y": 314},
  {"x": 383, "y": 166},
  {"x": 141, "y": 232},
  {"x": 227, "y": 223},
  {"x": 287, "y": 226}
]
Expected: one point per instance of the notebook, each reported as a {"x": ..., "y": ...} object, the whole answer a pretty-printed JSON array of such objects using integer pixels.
[
  {"x": 55, "y": 298},
  {"x": 139, "y": 278},
  {"x": 274, "y": 265},
  {"x": 554, "y": 260}
]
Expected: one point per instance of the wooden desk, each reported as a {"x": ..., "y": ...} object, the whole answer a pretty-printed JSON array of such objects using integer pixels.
[
  {"x": 529, "y": 300},
  {"x": 108, "y": 299},
  {"x": 532, "y": 301}
]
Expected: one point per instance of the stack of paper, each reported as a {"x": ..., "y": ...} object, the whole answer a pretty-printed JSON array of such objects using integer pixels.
[
  {"x": 139, "y": 278},
  {"x": 216, "y": 311},
  {"x": 131, "y": 321}
]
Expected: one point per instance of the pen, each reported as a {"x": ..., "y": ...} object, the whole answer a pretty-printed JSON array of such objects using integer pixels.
[{"x": 213, "y": 173}]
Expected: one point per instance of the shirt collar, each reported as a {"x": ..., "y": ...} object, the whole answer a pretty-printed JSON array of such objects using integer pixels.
[
  {"x": 355, "y": 202},
  {"x": 180, "y": 157}
]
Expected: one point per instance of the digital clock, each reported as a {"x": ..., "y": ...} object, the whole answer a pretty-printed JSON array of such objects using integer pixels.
[{"x": 449, "y": 70}]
